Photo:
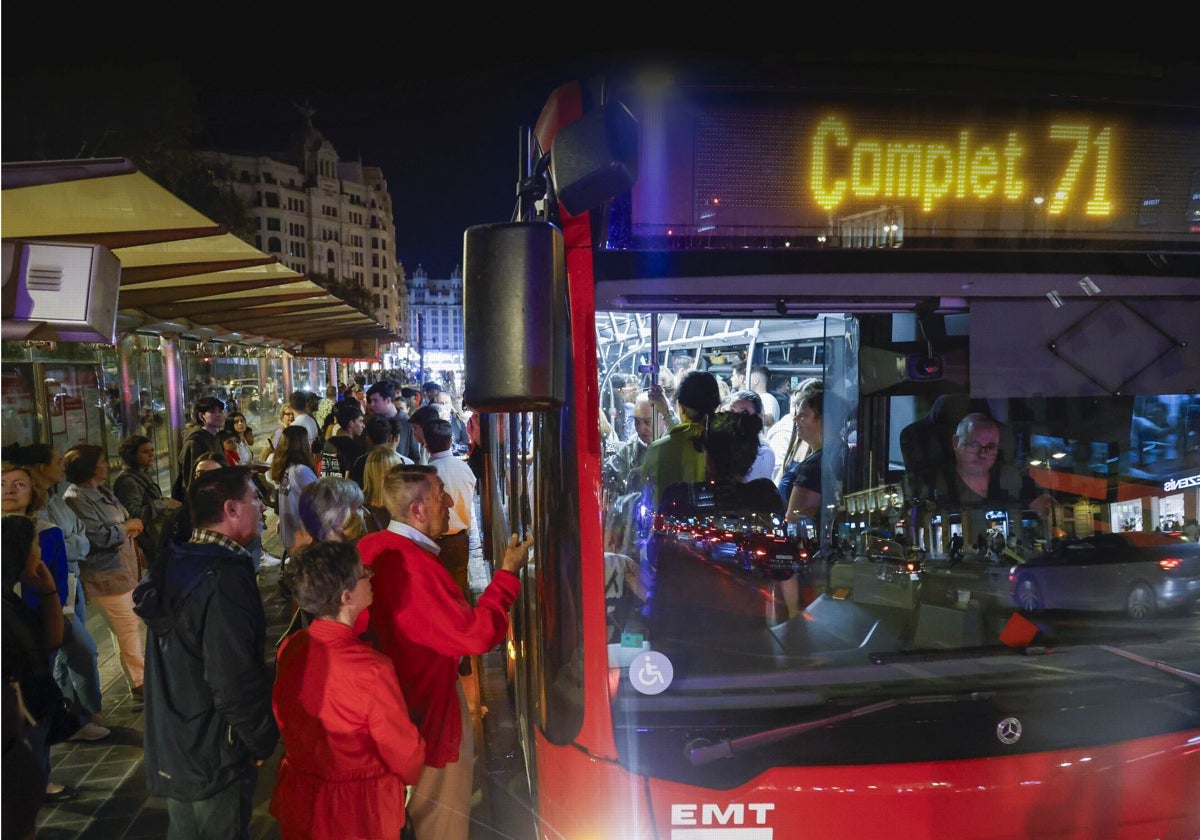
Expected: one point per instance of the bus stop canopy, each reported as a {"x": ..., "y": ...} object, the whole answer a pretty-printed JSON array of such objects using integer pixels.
[{"x": 181, "y": 274}]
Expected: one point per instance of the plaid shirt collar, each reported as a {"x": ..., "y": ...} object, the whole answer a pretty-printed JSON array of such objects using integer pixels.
[{"x": 206, "y": 537}]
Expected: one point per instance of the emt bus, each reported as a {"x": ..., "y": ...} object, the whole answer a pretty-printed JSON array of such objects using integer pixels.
[{"x": 930, "y": 241}]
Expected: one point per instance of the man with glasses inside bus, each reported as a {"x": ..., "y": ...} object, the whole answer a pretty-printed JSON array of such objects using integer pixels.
[{"x": 976, "y": 445}]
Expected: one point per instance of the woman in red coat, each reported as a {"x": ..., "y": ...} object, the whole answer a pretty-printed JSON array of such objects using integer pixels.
[{"x": 349, "y": 745}]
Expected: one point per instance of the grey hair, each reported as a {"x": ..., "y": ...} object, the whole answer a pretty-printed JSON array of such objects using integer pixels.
[{"x": 327, "y": 504}]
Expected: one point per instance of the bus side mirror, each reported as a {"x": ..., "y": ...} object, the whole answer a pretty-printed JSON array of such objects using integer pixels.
[{"x": 516, "y": 350}]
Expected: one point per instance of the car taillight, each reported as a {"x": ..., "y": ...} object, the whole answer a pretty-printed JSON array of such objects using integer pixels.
[{"x": 1168, "y": 564}]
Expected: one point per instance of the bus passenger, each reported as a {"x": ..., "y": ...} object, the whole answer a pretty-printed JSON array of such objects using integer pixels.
[
  {"x": 422, "y": 621},
  {"x": 622, "y": 465},
  {"x": 679, "y": 454},
  {"x": 731, "y": 448},
  {"x": 749, "y": 402},
  {"x": 803, "y": 485},
  {"x": 688, "y": 589}
]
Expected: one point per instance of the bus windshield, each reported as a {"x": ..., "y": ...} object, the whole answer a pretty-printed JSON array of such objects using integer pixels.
[{"x": 951, "y": 528}]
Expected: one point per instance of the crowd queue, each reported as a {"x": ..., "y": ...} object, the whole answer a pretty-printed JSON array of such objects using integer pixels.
[{"x": 374, "y": 500}]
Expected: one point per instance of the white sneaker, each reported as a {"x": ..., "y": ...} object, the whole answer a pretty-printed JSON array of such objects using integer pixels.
[
  {"x": 268, "y": 561},
  {"x": 91, "y": 732}
]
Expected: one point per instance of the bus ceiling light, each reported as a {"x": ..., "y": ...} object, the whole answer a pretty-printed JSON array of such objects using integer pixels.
[
  {"x": 1054, "y": 299},
  {"x": 1089, "y": 287}
]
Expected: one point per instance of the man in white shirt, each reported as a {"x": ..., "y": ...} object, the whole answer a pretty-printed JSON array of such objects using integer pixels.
[
  {"x": 299, "y": 403},
  {"x": 760, "y": 383},
  {"x": 459, "y": 482}
]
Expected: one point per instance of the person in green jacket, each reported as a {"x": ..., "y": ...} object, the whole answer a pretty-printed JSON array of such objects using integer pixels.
[{"x": 679, "y": 454}]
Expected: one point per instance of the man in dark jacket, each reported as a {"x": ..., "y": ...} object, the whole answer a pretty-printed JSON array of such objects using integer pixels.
[
  {"x": 379, "y": 401},
  {"x": 209, "y": 724},
  {"x": 199, "y": 442}
]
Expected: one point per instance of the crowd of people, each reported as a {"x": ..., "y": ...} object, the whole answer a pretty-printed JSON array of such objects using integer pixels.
[
  {"x": 174, "y": 574},
  {"x": 665, "y": 438}
]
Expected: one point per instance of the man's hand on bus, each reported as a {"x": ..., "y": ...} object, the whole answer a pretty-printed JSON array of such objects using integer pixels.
[{"x": 516, "y": 555}]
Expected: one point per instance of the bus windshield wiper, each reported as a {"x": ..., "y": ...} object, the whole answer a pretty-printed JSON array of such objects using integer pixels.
[{"x": 700, "y": 754}]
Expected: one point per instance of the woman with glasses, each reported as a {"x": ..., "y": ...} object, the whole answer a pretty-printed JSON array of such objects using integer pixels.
[{"x": 350, "y": 748}]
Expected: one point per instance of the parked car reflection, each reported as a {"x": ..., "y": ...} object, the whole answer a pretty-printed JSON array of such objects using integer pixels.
[{"x": 1138, "y": 573}]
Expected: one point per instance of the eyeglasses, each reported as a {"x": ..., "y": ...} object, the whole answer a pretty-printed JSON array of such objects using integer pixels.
[
  {"x": 367, "y": 573},
  {"x": 976, "y": 448}
]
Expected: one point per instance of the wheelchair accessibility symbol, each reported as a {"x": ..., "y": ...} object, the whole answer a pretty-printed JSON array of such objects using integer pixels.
[{"x": 651, "y": 672}]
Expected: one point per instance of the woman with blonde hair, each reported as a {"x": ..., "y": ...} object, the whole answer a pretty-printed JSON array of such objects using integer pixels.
[
  {"x": 379, "y": 461},
  {"x": 286, "y": 415}
]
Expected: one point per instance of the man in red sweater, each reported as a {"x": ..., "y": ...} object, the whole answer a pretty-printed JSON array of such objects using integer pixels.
[{"x": 421, "y": 619}]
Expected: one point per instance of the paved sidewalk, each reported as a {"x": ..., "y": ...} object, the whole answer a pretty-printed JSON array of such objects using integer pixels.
[{"x": 113, "y": 802}]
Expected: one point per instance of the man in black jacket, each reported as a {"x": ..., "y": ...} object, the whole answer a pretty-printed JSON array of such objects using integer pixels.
[
  {"x": 199, "y": 442},
  {"x": 209, "y": 724},
  {"x": 379, "y": 401}
]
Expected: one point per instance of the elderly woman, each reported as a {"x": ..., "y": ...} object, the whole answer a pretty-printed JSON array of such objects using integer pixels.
[
  {"x": 137, "y": 489},
  {"x": 350, "y": 747},
  {"x": 331, "y": 509},
  {"x": 110, "y": 570}
]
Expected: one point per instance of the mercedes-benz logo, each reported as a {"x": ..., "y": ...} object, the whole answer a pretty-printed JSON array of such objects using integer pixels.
[{"x": 1009, "y": 731}]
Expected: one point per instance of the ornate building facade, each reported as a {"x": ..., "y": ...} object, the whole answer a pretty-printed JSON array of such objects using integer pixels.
[
  {"x": 435, "y": 319},
  {"x": 328, "y": 218}
]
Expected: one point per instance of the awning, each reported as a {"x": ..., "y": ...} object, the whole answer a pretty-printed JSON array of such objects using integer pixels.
[{"x": 181, "y": 273}]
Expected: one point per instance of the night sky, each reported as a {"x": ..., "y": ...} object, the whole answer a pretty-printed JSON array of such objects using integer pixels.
[{"x": 437, "y": 105}]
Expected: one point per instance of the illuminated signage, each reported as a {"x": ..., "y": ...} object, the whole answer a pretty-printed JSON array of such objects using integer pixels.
[
  {"x": 1181, "y": 483},
  {"x": 822, "y": 173},
  {"x": 960, "y": 165}
]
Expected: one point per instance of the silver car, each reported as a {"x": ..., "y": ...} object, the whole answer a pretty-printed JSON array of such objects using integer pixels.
[{"x": 1135, "y": 572}]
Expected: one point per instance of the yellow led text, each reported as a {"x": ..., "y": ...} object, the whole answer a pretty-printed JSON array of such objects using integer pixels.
[{"x": 846, "y": 166}]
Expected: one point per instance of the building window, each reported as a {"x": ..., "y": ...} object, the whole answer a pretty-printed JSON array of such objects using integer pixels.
[
  {"x": 274, "y": 246},
  {"x": 273, "y": 223}
]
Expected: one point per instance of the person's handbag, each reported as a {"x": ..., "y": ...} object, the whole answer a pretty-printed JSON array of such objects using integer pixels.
[{"x": 63, "y": 721}]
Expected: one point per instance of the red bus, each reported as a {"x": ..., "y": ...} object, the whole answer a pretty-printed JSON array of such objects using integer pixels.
[{"x": 933, "y": 242}]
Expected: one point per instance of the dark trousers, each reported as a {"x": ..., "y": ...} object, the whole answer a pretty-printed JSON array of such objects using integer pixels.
[
  {"x": 455, "y": 554},
  {"x": 223, "y": 816}
]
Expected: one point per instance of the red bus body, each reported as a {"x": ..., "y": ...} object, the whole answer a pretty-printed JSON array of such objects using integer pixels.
[{"x": 598, "y": 775}]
